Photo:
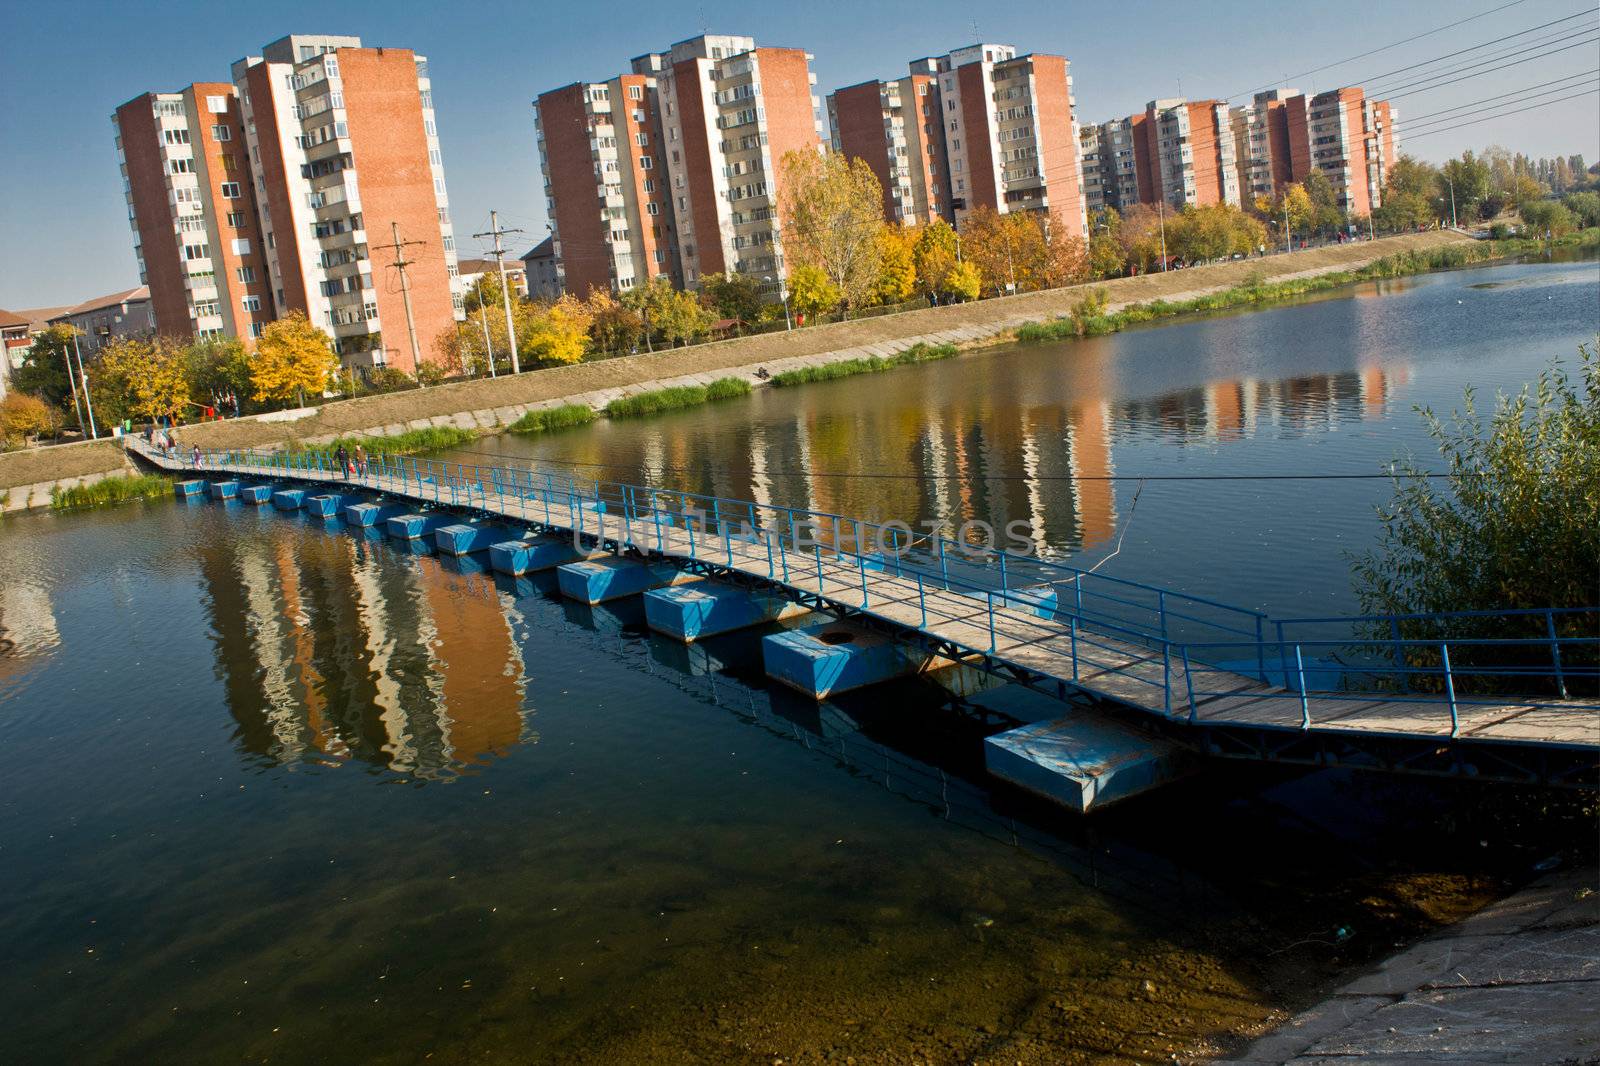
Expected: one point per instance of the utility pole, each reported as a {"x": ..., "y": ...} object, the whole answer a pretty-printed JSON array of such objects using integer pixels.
[
  {"x": 1161, "y": 213},
  {"x": 88, "y": 404},
  {"x": 505, "y": 292},
  {"x": 400, "y": 263},
  {"x": 1452, "y": 185},
  {"x": 483, "y": 322},
  {"x": 1288, "y": 238},
  {"x": 72, "y": 383}
]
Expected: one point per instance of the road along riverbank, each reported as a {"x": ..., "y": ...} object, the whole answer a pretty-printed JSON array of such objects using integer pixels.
[{"x": 495, "y": 403}]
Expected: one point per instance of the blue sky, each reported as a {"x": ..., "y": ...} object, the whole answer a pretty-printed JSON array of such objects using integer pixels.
[{"x": 64, "y": 226}]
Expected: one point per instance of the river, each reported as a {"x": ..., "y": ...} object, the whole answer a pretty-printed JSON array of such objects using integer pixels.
[{"x": 274, "y": 790}]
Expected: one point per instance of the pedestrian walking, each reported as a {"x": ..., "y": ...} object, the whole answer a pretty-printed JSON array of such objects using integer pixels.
[
  {"x": 342, "y": 457},
  {"x": 197, "y": 457},
  {"x": 361, "y": 461}
]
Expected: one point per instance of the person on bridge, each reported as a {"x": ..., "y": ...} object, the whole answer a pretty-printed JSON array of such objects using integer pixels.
[
  {"x": 342, "y": 457},
  {"x": 197, "y": 457},
  {"x": 361, "y": 461}
]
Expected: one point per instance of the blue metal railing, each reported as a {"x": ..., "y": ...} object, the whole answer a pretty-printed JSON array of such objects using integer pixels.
[{"x": 1152, "y": 640}]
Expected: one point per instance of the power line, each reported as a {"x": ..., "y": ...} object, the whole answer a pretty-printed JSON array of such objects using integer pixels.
[
  {"x": 1441, "y": 78},
  {"x": 1384, "y": 48},
  {"x": 1423, "y": 119},
  {"x": 1492, "y": 42},
  {"x": 1520, "y": 97},
  {"x": 1504, "y": 114}
]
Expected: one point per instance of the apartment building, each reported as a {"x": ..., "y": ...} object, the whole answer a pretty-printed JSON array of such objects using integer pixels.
[
  {"x": 1350, "y": 138},
  {"x": 978, "y": 127},
  {"x": 255, "y": 198},
  {"x": 1191, "y": 152},
  {"x": 1011, "y": 134},
  {"x": 186, "y": 178},
  {"x": 672, "y": 170},
  {"x": 1110, "y": 156},
  {"x": 897, "y": 129}
]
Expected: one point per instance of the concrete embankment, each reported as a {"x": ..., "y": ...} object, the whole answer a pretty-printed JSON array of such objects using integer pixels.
[
  {"x": 28, "y": 477},
  {"x": 1516, "y": 983},
  {"x": 488, "y": 403}
]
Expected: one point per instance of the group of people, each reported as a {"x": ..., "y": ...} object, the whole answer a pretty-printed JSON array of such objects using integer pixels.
[{"x": 352, "y": 464}]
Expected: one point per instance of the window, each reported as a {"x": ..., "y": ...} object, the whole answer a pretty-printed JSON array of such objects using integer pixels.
[
  {"x": 635, "y": 92},
  {"x": 196, "y": 251},
  {"x": 251, "y": 303},
  {"x": 241, "y": 246},
  {"x": 221, "y": 133},
  {"x": 256, "y": 329},
  {"x": 642, "y": 137},
  {"x": 217, "y": 105},
  {"x": 434, "y": 158},
  {"x": 230, "y": 190},
  {"x": 649, "y": 184},
  {"x": 645, "y": 162},
  {"x": 246, "y": 274},
  {"x": 181, "y": 166},
  {"x": 175, "y": 136},
  {"x": 236, "y": 219},
  {"x": 652, "y": 209}
]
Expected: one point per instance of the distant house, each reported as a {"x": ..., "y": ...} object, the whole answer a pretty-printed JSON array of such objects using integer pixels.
[
  {"x": 539, "y": 265},
  {"x": 113, "y": 317},
  {"x": 470, "y": 270}
]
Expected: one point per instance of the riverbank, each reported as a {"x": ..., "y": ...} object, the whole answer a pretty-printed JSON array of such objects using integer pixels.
[
  {"x": 1514, "y": 983},
  {"x": 491, "y": 405}
]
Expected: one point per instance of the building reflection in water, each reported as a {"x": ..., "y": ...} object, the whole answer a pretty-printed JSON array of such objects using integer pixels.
[
  {"x": 28, "y": 633},
  {"x": 332, "y": 648},
  {"x": 1014, "y": 451}
]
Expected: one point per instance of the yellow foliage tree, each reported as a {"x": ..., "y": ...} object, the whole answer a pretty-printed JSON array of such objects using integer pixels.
[
  {"x": 139, "y": 378},
  {"x": 812, "y": 292},
  {"x": 962, "y": 282},
  {"x": 559, "y": 333},
  {"x": 897, "y": 268},
  {"x": 292, "y": 357},
  {"x": 832, "y": 209}
]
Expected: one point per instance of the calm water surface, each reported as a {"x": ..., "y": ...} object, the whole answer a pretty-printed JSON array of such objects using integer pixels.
[{"x": 272, "y": 791}]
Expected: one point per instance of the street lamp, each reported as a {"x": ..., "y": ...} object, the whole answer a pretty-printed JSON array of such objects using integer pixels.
[{"x": 1450, "y": 182}]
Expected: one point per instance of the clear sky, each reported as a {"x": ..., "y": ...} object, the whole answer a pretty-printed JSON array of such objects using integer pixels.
[{"x": 66, "y": 67}]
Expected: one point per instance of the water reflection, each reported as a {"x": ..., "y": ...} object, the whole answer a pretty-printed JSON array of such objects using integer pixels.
[
  {"x": 28, "y": 632},
  {"x": 333, "y": 648}
]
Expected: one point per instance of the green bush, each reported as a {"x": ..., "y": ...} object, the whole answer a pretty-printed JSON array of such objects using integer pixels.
[
  {"x": 553, "y": 418},
  {"x": 918, "y": 353},
  {"x": 111, "y": 490},
  {"x": 656, "y": 401},
  {"x": 727, "y": 389}
]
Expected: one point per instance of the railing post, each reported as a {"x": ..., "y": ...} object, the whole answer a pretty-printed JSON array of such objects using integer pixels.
[
  {"x": 1166, "y": 678},
  {"x": 1305, "y": 702},
  {"x": 818, "y": 549},
  {"x": 1399, "y": 655},
  {"x": 1188, "y": 684},
  {"x": 1003, "y": 585},
  {"x": 769, "y": 553},
  {"x": 861, "y": 561},
  {"x": 1450, "y": 689},
  {"x": 1161, "y": 607},
  {"x": 1261, "y": 654},
  {"x": 922, "y": 602},
  {"x": 990, "y": 595},
  {"x": 1072, "y": 623},
  {"x": 1283, "y": 657},
  {"x": 1555, "y": 652},
  {"x": 944, "y": 568}
]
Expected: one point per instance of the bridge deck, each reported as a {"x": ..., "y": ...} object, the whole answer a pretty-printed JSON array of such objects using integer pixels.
[{"x": 1081, "y": 655}]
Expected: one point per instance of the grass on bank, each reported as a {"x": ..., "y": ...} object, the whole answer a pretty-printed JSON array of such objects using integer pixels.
[
  {"x": 109, "y": 491},
  {"x": 917, "y": 353},
  {"x": 1090, "y": 319},
  {"x": 553, "y": 418},
  {"x": 676, "y": 397}
]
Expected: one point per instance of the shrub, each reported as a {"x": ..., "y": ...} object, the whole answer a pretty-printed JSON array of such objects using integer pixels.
[
  {"x": 656, "y": 401},
  {"x": 918, "y": 353},
  {"x": 411, "y": 442},
  {"x": 553, "y": 418},
  {"x": 24, "y": 417}
]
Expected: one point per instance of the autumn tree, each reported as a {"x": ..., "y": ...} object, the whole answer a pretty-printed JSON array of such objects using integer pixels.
[
  {"x": 1140, "y": 237},
  {"x": 25, "y": 418},
  {"x": 613, "y": 326},
  {"x": 671, "y": 314},
  {"x": 934, "y": 255},
  {"x": 558, "y": 333},
  {"x": 292, "y": 357},
  {"x": 832, "y": 208},
  {"x": 897, "y": 268},
  {"x": 963, "y": 284},
  {"x": 812, "y": 292},
  {"x": 217, "y": 368},
  {"x": 1105, "y": 253}
]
